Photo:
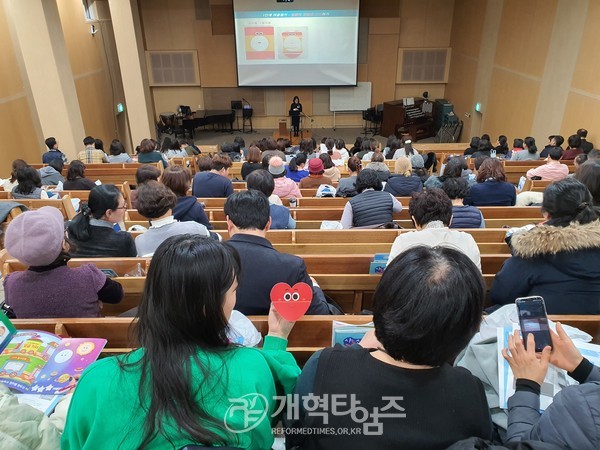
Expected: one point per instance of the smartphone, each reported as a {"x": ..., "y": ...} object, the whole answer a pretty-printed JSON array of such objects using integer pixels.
[{"x": 533, "y": 320}]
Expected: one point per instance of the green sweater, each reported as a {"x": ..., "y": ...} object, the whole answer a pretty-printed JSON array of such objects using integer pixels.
[{"x": 105, "y": 411}]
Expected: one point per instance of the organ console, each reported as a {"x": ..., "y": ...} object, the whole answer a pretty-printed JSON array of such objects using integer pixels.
[{"x": 398, "y": 116}]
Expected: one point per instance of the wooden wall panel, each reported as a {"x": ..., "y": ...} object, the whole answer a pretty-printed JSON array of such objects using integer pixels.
[
  {"x": 582, "y": 111},
  {"x": 9, "y": 70},
  {"x": 425, "y": 23},
  {"x": 588, "y": 64},
  {"x": 169, "y": 24},
  {"x": 467, "y": 27},
  {"x": 378, "y": 8},
  {"x": 511, "y": 105},
  {"x": 384, "y": 25},
  {"x": 460, "y": 89},
  {"x": 16, "y": 124},
  {"x": 168, "y": 99},
  {"x": 95, "y": 103},
  {"x": 222, "y": 19},
  {"x": 216, "y": 56},
  {"x": 383, "y": 58},
  {"x": 524, "y": 39}
]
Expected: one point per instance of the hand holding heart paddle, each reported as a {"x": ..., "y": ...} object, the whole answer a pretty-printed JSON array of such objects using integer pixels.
[{"x": 291, "y": 302}]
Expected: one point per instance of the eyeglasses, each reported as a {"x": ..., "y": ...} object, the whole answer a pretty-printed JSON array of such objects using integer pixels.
[{"x": 121, "y": 207}]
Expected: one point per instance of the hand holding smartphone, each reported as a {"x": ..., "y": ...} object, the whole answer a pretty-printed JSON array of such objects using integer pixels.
[{"x": 534, "y": 320}]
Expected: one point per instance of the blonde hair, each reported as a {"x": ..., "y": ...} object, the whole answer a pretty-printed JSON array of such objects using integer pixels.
[{"x": 403, "y": 166}]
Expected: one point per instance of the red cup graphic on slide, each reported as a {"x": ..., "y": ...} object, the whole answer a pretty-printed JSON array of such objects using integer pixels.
[
  {"x": 260, "y": 42},
  {"x": 292, "y": 44}
]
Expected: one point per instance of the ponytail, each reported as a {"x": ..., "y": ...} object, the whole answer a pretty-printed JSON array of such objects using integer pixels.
[
  {"x": 102, "y": 198},
  {"x": 79, "y": 227},
  {"x": 532, "y": 149}
]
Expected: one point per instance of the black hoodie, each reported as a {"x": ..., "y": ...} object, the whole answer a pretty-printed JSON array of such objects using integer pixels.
[{"x": 188, "y": 209}]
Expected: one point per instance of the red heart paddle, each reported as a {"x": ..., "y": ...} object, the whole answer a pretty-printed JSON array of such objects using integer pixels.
[{"x": 291, "y": 302}]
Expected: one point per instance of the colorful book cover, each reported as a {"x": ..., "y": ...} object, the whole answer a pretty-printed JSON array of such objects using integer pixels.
[
  {"x": 43, "y": 363},
  {"x": 7, "y": 331},
  {"x": 348, "y": 334}
]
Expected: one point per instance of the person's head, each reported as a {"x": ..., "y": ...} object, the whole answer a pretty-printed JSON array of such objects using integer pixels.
[
  {"x": 147, "y": 146},
  {"x": 574, "y": 141},
  {"x": 354, "y": 164},
  {"x": 486, "y": 137},
  {"x": 594, "y": 154},
  {"x": 315, "y": 166},
  {"x": 403, "y": 166},
  {"x": 568, "y": 201},
  {"x": 36, "y": 237},
  {"x": 340, "y": 144},
  {"x": 503, "y": 141},
  {"x": 283, "y": 144},
  {"x": 368, "y": 179},
  {"x": 155, "y": 200},
  {"x": 247, "y": 211},
  {"x": 262, "y": 181},
  {"x": 116, "y": 147},
  {"x": 98, "y": 144},
  {"x": 491, "y": 168},
  {"x": 408, "y": 148},
  {"x": 589, "y": 174},
  {"x": 479, "y": 161},
  {"x": 428, "y": 305},
  {"x": 455, "y": 188},
  {"x": 296, "y": 99},
  {"x": 394, "y": 145},
  {"x": 175, "y": 145},
  {"x": 528, "y": 142},
  {"x": 327, "y": 162},
  {"x": 146, "y": 172},
  {"x": 365, "y": 146},
  {"x": 518, "y": 143},
  {"x": 188, "y": 297},
  {"x": 306, "y": 146},
  {"x": 582, "y": 133},
  {"x": 297, "y": 162},
  {"x": 558, "y": 140},
  {"x": 229, "y": 147},
  {"x": 329, "y": 143},
  {"x": 29, "y": 179},
  {"x": 51, "y": 143},
  {"x": 239, "y": 141},
  {"x": 377, "y": 157},
  {"x": 474, "y": 141},
  {"x": 89, "y": 140},
  {"x": 579, "y": 160},
  {"x": 454, "y": 167},
  {"x": 430, "y": 205},
  {"x": 254, "y": 154},
  {"x": 204, "y": 163},
  {"x": 484, "y": 145},
  {"x": 555, "y": 153},
  {"x": 16, "y": 165},
  {"x": 76, "y": 170},
  {"x": 57, "y": 164},
  {"x": 221, "y": 163},
  {"x": 276, "y": 167},
  {"x": 178, "y": 179},
  {"x": 105, "y": 203}
]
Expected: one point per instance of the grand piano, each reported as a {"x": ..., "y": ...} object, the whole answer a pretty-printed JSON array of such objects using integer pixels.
[{"x": 219, "y": 119}]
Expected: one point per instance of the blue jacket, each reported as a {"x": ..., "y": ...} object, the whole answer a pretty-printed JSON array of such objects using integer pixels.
[
  {"x": 281, "y": 218},
  {"x": 492, "y": 193},
  {"x": 466, "y": 217},
  {"x": 401, "y": 186},
  {"x": 188, "y": 209}
]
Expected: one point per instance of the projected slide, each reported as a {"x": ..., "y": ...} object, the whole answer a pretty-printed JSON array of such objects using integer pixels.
[{"x": 284, "y": 45}]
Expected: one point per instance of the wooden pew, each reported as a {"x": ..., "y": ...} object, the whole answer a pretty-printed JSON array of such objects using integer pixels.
[{"x": 63, "y": 204}]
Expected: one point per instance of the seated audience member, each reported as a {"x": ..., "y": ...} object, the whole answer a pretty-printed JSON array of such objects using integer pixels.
[
  {"x": 491, "y": 188},
  {"x": 502, "y": 146},
  {"x": 340, "y": 146},
  {"x": 176, "y": 151},
  {"x": 585, "y": 145},
  {"x": 529, "y": 152},
  {"x": 473, "y": 146},
  {"x": 463, "y": 216},
  {"x": 404, "y": 182},
  {"x": 557, "y": 260},
  {"x": 431, "y": 212},
  {"x": 372, "y": 207},
  {"x": 571, "y": 421},
  {"x": 190, "y": 148},
  {"x": 410, "y": 152},
  {"x": 296, "y": 169},
  {"x": 187, "y": 209},
  {"x": 393, "y": 145},
  {"x": 315, "y": 176},
  {"x": 29, "y": 184},
  {"x": 262, "y": 181},
  {"x": 76, "y": 180},
  {"x": 204, "y": 163},
  {"x": 253, "y": 161},
  {"x": 347, "y": 185},
  {"x": 125, "y": 401},
  {"x": 262, "y": 267},
  {"x": 284, "y": 187},
  {"x": 53, "y": 151},
  {"x": 215, "y": 183},
  {"x": 517, "y": 147},
  {"x": 92, "y": 230},
  {"x": 156, "y": 202},
  {"x": 553, "y": 170},
  {"x": 553, "y": 141},
  {"x": 48, "y": 287},
  {"x": 378, "y": 165},
  {"x": 232, "y": 150},
  {"x": 408, "y": 358},
  {"x": 573, "y": 149},
  {"x": 11, "y": 181},
  {"x": 51, "y": 174},
  {"x": 577, "y": 162},
  {"x": 455, "y": 167},
  {"x": 148, "y": 153},
  {"x": 484, "y": 147},
  {"x": 367, "y": 146},
  {"x": 118, "y": 154},
  {"x": 143, "y": 174},
  {"x": 91, "y": 154},
  {"x": 356, "y": 147},
  {"x": 331, "y": 171},
  {"x": 589, "y": 174}
]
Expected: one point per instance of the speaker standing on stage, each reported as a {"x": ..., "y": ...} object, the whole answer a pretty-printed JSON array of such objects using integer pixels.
[{"x": 295, "y": 110}]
